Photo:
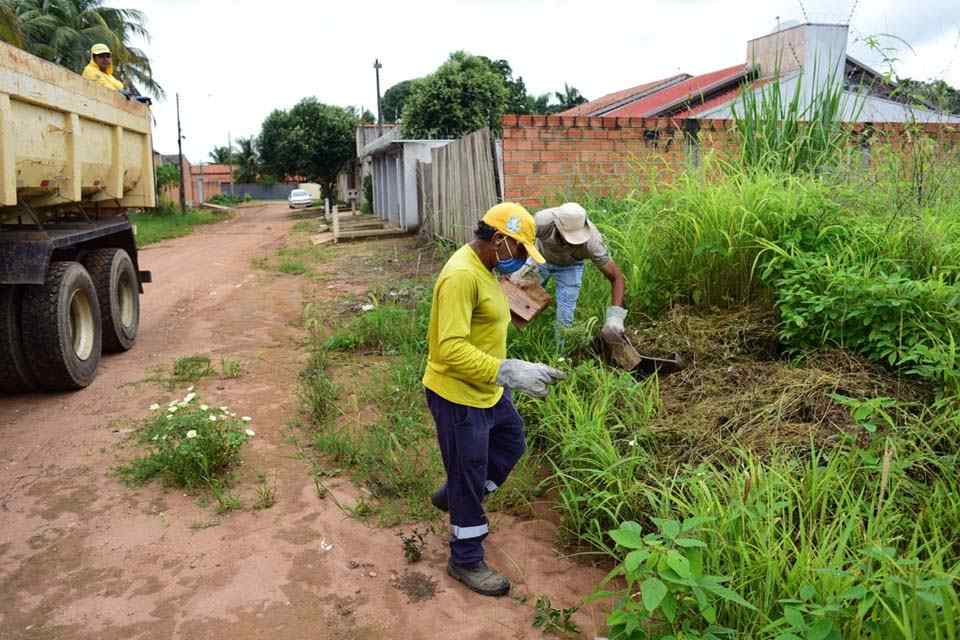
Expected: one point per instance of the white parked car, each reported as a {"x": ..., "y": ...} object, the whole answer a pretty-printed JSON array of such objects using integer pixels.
[{"x": 299, "y": 198}]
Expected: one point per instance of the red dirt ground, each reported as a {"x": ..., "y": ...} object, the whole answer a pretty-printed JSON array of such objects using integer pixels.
[{"x": 83, "y": 556}]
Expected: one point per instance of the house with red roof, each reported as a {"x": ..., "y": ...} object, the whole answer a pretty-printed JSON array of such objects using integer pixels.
[{"x": 803, "y": 59}]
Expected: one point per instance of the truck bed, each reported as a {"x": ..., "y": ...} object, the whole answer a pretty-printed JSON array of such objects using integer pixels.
[{"x": 67, "y": 140}]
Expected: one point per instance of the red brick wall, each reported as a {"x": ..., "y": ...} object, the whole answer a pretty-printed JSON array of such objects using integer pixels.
[{"x": 547, "y": 159}]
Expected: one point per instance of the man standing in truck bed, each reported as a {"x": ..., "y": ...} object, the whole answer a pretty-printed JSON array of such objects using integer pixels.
[{"x": 100, "y": 68}]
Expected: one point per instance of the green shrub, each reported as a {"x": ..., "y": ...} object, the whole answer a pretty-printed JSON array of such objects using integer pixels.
[{"x": 887, "y": 316}]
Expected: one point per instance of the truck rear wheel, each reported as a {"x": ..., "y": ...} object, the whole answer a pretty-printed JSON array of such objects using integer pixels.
[
  {"x": 117, "y": 287},
  {"x": 15, "y": 374},
  {"x": 60, "y": 323}
]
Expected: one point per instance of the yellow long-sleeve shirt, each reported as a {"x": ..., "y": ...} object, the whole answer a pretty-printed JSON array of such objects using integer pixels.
[
  {"x": 468, "y": 333},
  {"x": 92, "y": 72}
]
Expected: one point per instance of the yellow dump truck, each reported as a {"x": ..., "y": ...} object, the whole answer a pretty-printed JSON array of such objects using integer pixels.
[{"x": 74, "y": 158}]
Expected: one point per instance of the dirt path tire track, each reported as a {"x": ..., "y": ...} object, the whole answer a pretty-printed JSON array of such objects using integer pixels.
[{"x": 83, "y": 556}]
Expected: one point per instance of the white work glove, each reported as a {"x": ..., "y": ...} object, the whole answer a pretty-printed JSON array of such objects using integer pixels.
[
  {"x": 519, "y": 277},
  {"x": 529, "y": 377},
  {"x": 613, "y": 328}
]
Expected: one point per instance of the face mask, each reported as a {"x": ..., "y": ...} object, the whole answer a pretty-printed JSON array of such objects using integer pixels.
[{"x": 506, "y": 267}]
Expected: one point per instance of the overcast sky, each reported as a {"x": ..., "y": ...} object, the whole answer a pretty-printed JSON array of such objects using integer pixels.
[{"x": 234, "y": 61}]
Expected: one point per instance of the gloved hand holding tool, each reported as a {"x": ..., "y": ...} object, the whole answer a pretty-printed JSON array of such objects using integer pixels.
[
  {"x": 613, "y": 331},
  {"x": 528, "y": 377}
]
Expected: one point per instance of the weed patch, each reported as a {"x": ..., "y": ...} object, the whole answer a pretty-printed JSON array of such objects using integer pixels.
[
  {"x": 154, "y": 227},
  {"x": 190, "y": 445}
]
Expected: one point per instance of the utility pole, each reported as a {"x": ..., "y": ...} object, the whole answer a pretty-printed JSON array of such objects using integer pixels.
[
  {"x": 376, "y": 67},
  {"x": 183, "y": 190}
]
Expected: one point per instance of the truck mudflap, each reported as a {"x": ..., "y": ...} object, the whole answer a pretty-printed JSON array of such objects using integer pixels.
[{"x": 26, "y": 250}]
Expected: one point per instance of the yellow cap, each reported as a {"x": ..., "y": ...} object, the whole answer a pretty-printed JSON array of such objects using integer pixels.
[
  {"x": 511, "y": 219},
  {"x": 97, "y": 49}
]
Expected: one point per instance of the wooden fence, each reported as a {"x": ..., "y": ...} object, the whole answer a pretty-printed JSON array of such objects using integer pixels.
[{"x": 457, "y": 187}]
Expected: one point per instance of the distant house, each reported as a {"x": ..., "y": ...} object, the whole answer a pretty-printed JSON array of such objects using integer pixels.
[
  {"x": 201, "y": 182},
  {"x": 803, "y": 57}
]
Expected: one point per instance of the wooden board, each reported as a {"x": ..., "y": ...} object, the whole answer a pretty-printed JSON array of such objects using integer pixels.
[{"x": 525, "y": 304}]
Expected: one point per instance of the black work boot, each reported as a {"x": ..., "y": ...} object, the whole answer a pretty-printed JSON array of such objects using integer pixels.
[
  {"x": 439, "y": 499},
  {"x": 480, "y": 578}
]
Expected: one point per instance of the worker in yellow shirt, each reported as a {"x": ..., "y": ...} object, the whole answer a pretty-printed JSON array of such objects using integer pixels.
[
  {"x": 100, "y": 68},
  {"x": 469, "y": 381}
]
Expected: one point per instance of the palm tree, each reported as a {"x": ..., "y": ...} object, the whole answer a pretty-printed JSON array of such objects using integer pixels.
[
  {"x": 62, "y": 31},
  {"x": 222, "y": 155},
  {"x": 10, "y": 27},
  {"x": 570, "y": 97},
  {"x": 248, "y": 164}
]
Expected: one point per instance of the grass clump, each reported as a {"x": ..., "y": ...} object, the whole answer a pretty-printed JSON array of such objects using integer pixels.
[
  {"x": 393, "y": 454},
  {"x": 192, "y": 369},
  {"x": 164, "y": 224},
  {"x": 190, "y": 445}
]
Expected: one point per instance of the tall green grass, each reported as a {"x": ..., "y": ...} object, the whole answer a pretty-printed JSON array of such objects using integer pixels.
[{"x": 152, "y": 227}]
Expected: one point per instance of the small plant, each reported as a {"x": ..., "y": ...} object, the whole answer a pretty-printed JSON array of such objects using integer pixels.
[
  {"x": 266, "y": 495},
  {"x": 192, "y": 369},
  {"x": 667, "y": 591},
  {"x": 413, "y": 545},
  {"x": 292, "y": 266},
  {"x": 191, "y": 445},
  {"x": 553, "y": 620},
  {"x": 230, "y": 368},
  {"x": 363, "y": 509}
]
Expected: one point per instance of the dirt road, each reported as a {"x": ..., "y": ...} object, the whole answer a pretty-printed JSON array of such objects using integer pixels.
[{"x": 83, "y": 556}]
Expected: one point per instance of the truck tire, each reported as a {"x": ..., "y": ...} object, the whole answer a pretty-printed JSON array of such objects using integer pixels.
[
  {"x": 60, "y": 324},
  {"x": 15, "y": 374},
  {"x": 116, "y": 282}
]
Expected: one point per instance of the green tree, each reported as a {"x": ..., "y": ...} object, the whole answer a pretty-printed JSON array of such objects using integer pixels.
[
  {"x": 11, "y": 28},
  {"x": 935, "y": 93},
  {"x": 465, "y": 94},
  {"x": 570, "y": 97},
  {"x": 321, "y": 140},
  {"x": 62, "y": 31},
  {"x": 517, "y": 99},
  {"x": 276, "y": 158},
  {"x": 364, "y": 116},
  {"x": 393, "y": 100},
  {"x": 222, "y": 155},
  {"x": 167, "y": 175},
  {"x": 246, "y": 161}
]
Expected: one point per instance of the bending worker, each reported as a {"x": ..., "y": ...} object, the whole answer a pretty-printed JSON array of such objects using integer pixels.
[
  {"x": 469, "y": 381},
  {"x": 566, "y": 238}
]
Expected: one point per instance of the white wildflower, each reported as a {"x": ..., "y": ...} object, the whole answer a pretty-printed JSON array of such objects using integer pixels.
[
  {"x": 250, "y": 432},
  {"x": 173, "y": 409},
  {"x": 224, "y": 409},
  {"x": 247, "y": 419},
  {"x": 187, "y": 399},
  {"x": 204, "y": 407},
  {"x": 633, "y": 443},
  {"x": 172, "y": 402},
  {"x": 154, "y": 406},
  {"x": 213, "y": 418},
  {"x": 190, "y": 388},
  {"x": 191, "y": 434}
]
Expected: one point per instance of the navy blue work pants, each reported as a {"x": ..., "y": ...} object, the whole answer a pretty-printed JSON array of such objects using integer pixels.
[{"x": 479, "y": 447}]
